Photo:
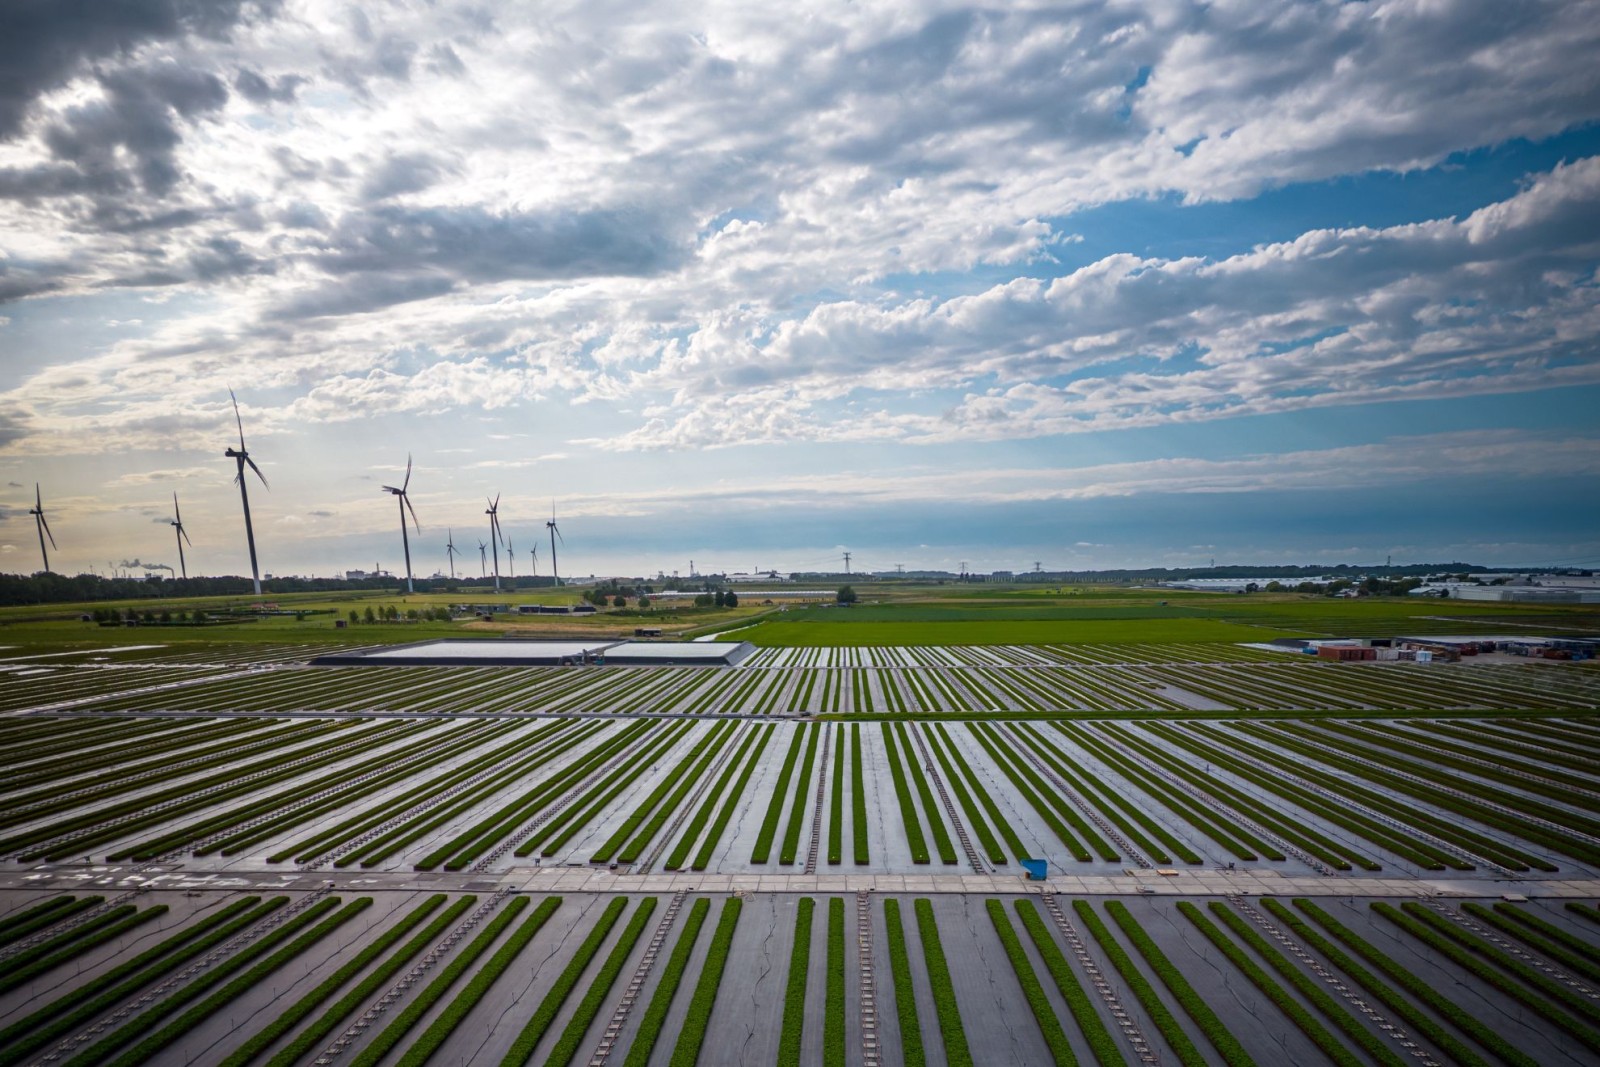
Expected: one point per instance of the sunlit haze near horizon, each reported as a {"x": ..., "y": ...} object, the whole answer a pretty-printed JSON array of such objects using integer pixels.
[{"x": 1088, "y": 286}]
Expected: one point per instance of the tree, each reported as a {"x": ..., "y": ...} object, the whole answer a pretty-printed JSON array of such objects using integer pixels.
[
  {"x": 369, "y": 615},
  {"x": 619, "y": 601},
  {"x": 731, "y": 599},
  {"x": 355, "y": 616},
  {"x": 845, "y": 595},
  {"x": 704, "y": 600}
]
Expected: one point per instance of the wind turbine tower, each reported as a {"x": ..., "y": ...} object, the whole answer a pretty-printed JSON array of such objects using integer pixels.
[
  {"x": 483, "y": 559},
  {"x": 182, "y": 535},
  {"x": 37, "y": 511},
  {"x": 555, "y": 532},
  {"x": 511, "y": 563},
  {"x": 533, "y": 558},
  {"x": 494, "y": 536},
  {"x": 847, "y": 563},
  {"x": 450, "y": 550},
  {"x": 243, "y": 457},
  {"x": 405, "y": 504}
]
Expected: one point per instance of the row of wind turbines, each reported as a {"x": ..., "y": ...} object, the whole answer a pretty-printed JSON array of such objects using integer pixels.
[{"x": 241, "y": 456}]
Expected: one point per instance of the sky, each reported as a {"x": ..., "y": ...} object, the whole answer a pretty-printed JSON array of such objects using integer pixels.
[{"x": 1077, "y": 285}]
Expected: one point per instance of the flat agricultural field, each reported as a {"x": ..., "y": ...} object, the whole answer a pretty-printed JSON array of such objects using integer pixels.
[{"x": 213, "y": 852}]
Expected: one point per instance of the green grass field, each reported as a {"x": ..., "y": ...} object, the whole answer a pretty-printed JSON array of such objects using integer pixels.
[{"x": 849, "y": 633}]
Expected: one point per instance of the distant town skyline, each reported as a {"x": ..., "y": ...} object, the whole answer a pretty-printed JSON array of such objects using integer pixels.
[{"x": 1114, "y": 286}]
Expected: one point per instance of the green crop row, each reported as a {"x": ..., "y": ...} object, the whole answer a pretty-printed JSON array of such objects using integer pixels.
[
  {"x": 120, "y": 1047},
  {"x": 554, "y": 835},
  {"x": 1385, "y": 993},
  {"x": 687, "y": 780},
  {"x": 572, "y": 1035},
  {"x": 1027, "y": 782},
  {"x": 736, "y": 797},
  {"x": 1406, "y": 846},
  {"x": 1476, "y": 955},
  {"x": 858, "y": 799},
  {"x": 680, "y": 852},
  {"x": 780, "y": 793},
  {"x": 941, "y": 836},
  {"x": 1584, "y": 911},
  {"x": 802, "y": 799},
  {"x": 836, "y": 808},
  {"x": 692, "y": 1032},
  {"x": 902, "y": 793},
  {"x": 306, "y": 1041},
  {"x": 975, "y": 821},
  {"x": 905, "y": 999},
  {"x": 833, "y": 1054},
  {"x": 1330, "y": 1045},
  {"x": 395, "y": 1032},
  {"x": 24, "y": 967},
  {"x": 956, "y": 1052},
  {"x": 794, "y": 993},
  {"x": 1423, "y": 990},
  {"x": 1043, "y": 1013},
  {"x": 1307, "y": 986},
  {"x": 1450, "y": 830},
  {"x": 1187, "y": 1051},
  {"x": 1116, "y": 808},
  {"x": 544, "y": 1015},
  {"x": 1573, "y": 953},
  {"x": 940, "y": 733},
  {"x": 48, "y": 914},
  {"x": 33, "y": 1032},
  {"x": 677, "y": 782},
  {"x": 288, "y": 1019},
  {"x": 1232, "y": 839},
  {"x": 655, "y": 1015}
]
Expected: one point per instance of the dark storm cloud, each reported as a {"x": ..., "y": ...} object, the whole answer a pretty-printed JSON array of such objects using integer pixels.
[
  {"x": 258, "y": 90},
  {"x": 13, "y": 427},
  {"x": 43, "y": 43},
  {"x": 408, "y": 172}
]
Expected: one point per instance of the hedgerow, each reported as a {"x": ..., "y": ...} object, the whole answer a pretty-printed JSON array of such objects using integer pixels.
[
  {"x": 119, "y": 1049},
  {"x": 572, "y": 1035},
  {"x": 1001, "y": 826},
  {"x": 1187, "y": 1051},
  {"x": 794, "y": 993},
  {"x": 1385, "y": 993},
  {"x": 975, "y": 821},
  {"x": 1584, "y": 911},
  {"x": 1330, "y": 1045},
  {"x": 1043, "y": 1013},
  {"x": 1027, "y": 782},
  {"x": 533, "y": 1031},
  {"x": 556, "y": 833},
  {"x": 836, "y": 808},
  {"x": 289, "y": 1018},
  {"x": 905, "y": 999},
  {"x": 833, "y": 1054},
  {"x": 702, "y": 858},
  {"x": 306, "y": 1041},
  {"x": 956, "y": 1052},
  {"x": 692, "y": 1033},
  {"x": 655, "y": 1016},
  {"x": 908, "y": 811},
  {"x": 1423, "y": 990},
  {"x": 24, "y": 967},
  {"x": 66, "y": 910},
  {"x": 391, "y": 1035},
  {"x": 16, "y": 927}
]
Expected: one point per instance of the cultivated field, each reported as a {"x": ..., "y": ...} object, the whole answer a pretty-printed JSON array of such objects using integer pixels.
[{"x": 211, "y": 852}]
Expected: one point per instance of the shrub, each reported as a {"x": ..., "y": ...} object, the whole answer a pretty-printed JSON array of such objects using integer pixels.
[
  {"x": 769, "y": 824},
  {"x": 956, "y": 1052},
  {"x": 794, "y": 994},
  {"x": 1043, "y": 1013},
  {"x": 644, "y": 1042},
  {"x": 567, "y": 1044},
  {"x": 905, "y": 999},
  {"x": 533, "y": 1031},
  {"x": 692, "y": 1034},
  {"x": 833, "y": 1054}
]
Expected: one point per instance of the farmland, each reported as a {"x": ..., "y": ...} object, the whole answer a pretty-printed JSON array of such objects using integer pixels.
[{"x": 214, "y": 852}]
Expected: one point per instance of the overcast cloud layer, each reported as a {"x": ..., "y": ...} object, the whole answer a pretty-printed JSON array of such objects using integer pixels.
[{"x": 846, "y": 259}]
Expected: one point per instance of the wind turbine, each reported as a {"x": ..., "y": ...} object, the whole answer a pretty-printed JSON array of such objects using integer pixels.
[
  {"x": 450, "y": 550},
  {"x": 483, "y": 559},
  {"x": 243, "y": 457},
  {"x": 555, "y": 532},
  {"x": 405, "y": 505},
  {"x": 495, "y": 537},
  {"x": 37, "y": 511},
  {"x": 511, "y": 564},
  {"x": 182, "y": 535},
  {"x": 533, "y": 557}
]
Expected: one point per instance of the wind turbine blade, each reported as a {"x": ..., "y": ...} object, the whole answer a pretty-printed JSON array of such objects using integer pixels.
[
  {"x": 176, "y": 514},
  {"x": 557, "y": 530},
  {"x": 184, "y": 534},
  {"x": 407, "y": 483},
  {"x": 45, "y": 523},
  {"x": 257, "y": 469},
  {"x": 237, "y": 419},
  {"x": 407, "y": 502},
  {"x": 38, "y": 501},
  {"x": 496, "y": 504}
]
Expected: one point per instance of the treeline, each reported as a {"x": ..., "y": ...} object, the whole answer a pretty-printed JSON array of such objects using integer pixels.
[{"x": 42, "y": 588}]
